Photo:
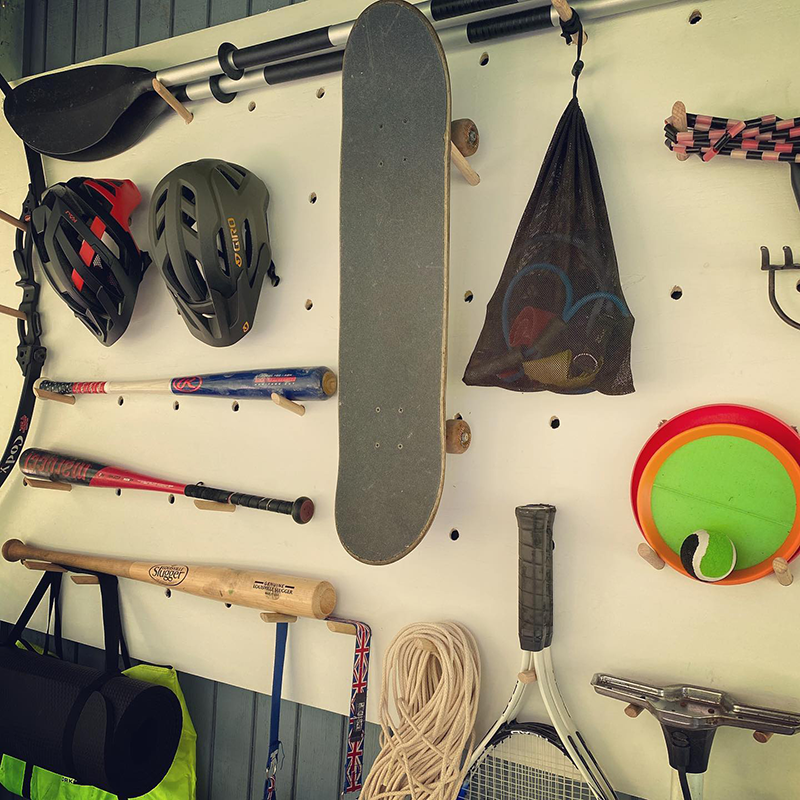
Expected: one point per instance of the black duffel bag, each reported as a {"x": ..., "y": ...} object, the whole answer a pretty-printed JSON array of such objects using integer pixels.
[{"x": 99, "y": 727}]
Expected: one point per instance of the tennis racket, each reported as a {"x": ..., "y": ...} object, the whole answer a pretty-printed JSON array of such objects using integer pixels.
[{"x": 527, "y": 761}]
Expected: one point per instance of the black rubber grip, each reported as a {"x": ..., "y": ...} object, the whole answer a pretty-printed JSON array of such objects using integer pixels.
[
  {"x": 535, "y": 19},
  {"x": 447, "y": 9},
  {"x": 287, "y": 47},
  {"x": 304, "y": 68},
  {"x": 301, "y": 510},
  {"x": 535, "y": 523}
]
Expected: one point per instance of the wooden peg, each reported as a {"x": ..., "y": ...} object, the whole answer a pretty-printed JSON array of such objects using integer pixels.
[
  {"x": 268, "y": 616},
  {"x": 36, "y": 484},
  {"x": 633, "y": 711},
  {"x": 172, "y": 101},
  {"x": 16, "y": 222},
  {"x": 565, "y": 12},
  {"x": 342, "y": 627},
  {"x": 465, "y": 136},
  {"x": 458, "y": 436},
  {"x": 289, "y": 405},
  {"x": 528, "y": 676},
  {"x": 43, "y": 394},
  {"x": 472, "y": 177},
  {"x": 41, "y": 566},
  {"x": 85, "y": 580},
  {"x": 680, "y": 123},
  {"x": 425, "y": 644},
  {"x": 762, "y": 737},
  {"x": 13, "y": 312},
  {"x": 650, "y": 556},
  {"x": 212, "y": 505},
  {"x": 782, "y": 571}
]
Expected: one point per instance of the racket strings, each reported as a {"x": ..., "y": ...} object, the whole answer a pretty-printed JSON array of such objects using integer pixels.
[
  {"x": 429, "y": 698},
  {"x": 526, "y": 766}
]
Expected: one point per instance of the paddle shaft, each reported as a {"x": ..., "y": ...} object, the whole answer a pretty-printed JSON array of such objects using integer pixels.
[
  {"x": 281, "y": 594},
  {"x": 530, "y": 20},
  {"x": 231, "y": 60}
]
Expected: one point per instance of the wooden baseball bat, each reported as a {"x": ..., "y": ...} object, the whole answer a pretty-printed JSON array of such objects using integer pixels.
[
  {"x": 293, "y": 383},
  {"x": 46, "y": 466},
  {"x": 266, "y": 591}
]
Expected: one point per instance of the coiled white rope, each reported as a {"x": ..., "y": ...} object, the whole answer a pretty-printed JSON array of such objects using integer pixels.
[{"x": 429, "y": 697}]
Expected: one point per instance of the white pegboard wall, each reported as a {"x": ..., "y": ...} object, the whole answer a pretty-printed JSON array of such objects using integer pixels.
[{"x": 690, "y": 225}]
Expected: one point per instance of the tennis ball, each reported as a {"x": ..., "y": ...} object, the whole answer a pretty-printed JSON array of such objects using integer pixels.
[{"x": 708, "y": 556}]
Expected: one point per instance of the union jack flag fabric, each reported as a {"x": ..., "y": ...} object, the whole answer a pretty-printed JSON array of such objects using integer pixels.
[{"x": 356, "y": 726}]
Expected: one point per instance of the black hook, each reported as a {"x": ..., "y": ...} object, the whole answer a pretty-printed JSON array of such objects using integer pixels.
[{"x": 788, "y": 263}]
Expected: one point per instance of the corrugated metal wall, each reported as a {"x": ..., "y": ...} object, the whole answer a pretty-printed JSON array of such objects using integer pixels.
[{"x": 61, "y": 32}]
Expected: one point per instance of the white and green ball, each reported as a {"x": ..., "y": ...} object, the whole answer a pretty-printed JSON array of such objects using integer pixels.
[{"x": 708, "y": 556}]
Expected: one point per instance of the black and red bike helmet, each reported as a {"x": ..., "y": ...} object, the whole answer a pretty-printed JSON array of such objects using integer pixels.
[{"x": 83, "y": 237}]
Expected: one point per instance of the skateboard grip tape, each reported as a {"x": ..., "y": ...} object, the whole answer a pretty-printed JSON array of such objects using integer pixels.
[{"x": 535, "y": 524}]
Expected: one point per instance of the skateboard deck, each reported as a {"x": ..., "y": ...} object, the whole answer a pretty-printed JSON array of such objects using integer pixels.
[{"x": 394, "y": 226}]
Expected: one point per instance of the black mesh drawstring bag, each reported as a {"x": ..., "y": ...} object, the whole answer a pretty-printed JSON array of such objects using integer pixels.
[{"x": 558, "y": 320}]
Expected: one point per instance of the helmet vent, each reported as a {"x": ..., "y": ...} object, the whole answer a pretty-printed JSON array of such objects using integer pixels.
[
  {"x": 109, "y": 241},
  {"x": 248, "y": 244},
  {"x": 161, "y": 200},
  {"x": 160, "y": 227},
  {"x": 189, "y": 221},
  {"x": 222, "y": 254},
  {"x": 233, "y": 176},
  {"x": 188, "y": 194}
]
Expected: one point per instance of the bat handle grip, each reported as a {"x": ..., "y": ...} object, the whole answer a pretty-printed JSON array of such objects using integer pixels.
[{"x": 300, "y": 510}]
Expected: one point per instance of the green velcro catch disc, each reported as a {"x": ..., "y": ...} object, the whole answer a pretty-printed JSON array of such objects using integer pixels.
[{"x": 725, "y": 484}]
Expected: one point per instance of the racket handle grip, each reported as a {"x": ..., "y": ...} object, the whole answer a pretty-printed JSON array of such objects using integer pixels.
[{"x": 535, "y": 524}]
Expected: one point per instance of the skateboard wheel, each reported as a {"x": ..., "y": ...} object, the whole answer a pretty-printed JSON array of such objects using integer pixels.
[
  {"x": 458, "y": 436},
  {"x": 465, "y": 136}
]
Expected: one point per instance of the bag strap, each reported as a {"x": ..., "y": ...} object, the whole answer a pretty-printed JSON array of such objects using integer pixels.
[
  {"x": 281, "y": 632},
  {"x": 51, "y": 581}
]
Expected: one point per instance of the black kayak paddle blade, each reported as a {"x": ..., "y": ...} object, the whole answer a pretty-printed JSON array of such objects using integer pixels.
[{"x": 65, "y": 114}]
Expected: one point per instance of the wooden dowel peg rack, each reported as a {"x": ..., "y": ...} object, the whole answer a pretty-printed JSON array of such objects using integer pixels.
[
  {"x": 56, "y": 485},
  {"x": 565, "y": 13},
  {"x": 341, "y": 627},
  {"x": 268, "y": 616},
  {"x": 783, "y": 571},
  {"x": 13, "y": 312},
  {"x": 288, "y": 405},
  {"x": 85, "y": 580},
  {"x": 11, "y": 220},
  {"x": 633, "y": 711},
  {"x": 211, "y": 505},
  {"x": 527, "y": 676},
  {"x": 172, "y": 101},
  {"x": 43, "y": 394},
  {"x": 650, "y": 556},
  {"x": 41, "y": 566},
  {"x": 680, "y": 123}
]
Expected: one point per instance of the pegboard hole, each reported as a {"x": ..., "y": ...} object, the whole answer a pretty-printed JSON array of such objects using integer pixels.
[
  {"x": 251, "y": 106},
  {"x": 695, "y": 16},
  {"x": 321, "y": 92},
  {"x": 228, "y": 605},
  {"x": 555, "y": 422},
  {"x": 309, "y": 304},
  {"x": 176, "y": 405},
  {"x": 797, "y": 286},
  {"x": 400, "y": 446},
  {"x": 458, "y": 416},
  {"x": 168, "y": 593},
  {"x": 676, "y": 293},
  {"x": 120, "y": 400},
  {"x": 312, "y": 198},
  {"x": 171, "y": 499},
  {"x": 484, "y": 59},
  {"x": 119, "y": 492},
  {"x": 235, "y": 405},
  {"x": 468, "y": 296},
  {"x": 454, "y": 534}
]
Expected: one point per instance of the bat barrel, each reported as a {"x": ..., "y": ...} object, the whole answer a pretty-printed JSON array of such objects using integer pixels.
[{"x": 265, "y": 591}]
